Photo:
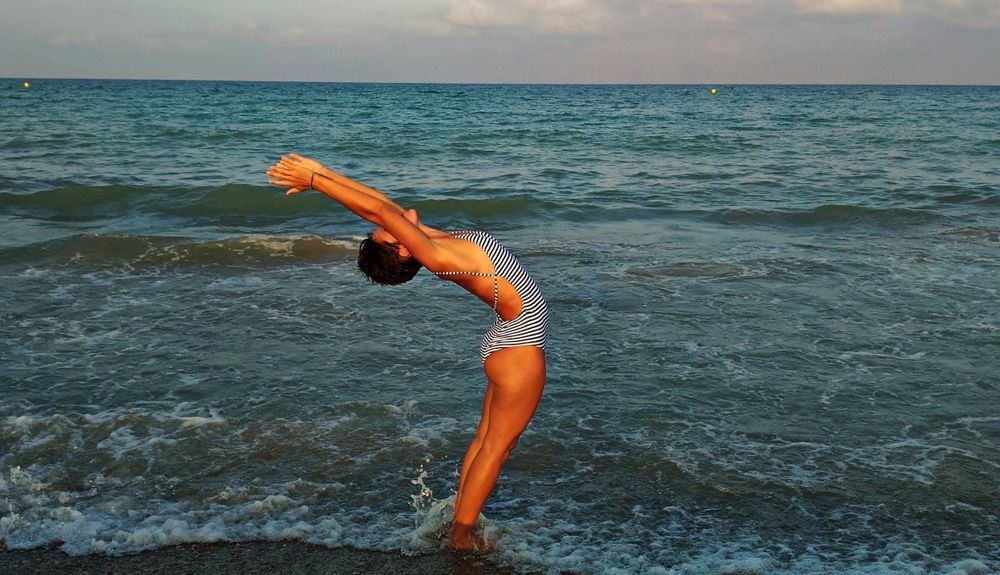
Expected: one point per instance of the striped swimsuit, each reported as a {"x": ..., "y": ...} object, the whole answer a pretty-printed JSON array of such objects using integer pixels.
[{"x": 531, "y": 326}]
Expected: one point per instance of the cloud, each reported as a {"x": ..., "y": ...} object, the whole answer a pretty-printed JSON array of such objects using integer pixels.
[
  {"x": 479, "y": 14},
  {"x": 849, "y": 7},
  {"x": 971, "y": 13},
  {"x": 559, "y": 17},
  {"x": 710, "y": 12},
  {"x": 628, "y": 21},
  {"x": 283, "y": 36}
]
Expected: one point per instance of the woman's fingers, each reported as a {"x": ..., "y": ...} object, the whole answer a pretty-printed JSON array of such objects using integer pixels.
[
  {"x": 290, "y": 158},
  {"x": 281, "y": 172},
  {"x": 288, "y": 173}
]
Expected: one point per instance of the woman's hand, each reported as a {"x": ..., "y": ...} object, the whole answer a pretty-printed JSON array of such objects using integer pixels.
[{"x": 294, "y": 172}]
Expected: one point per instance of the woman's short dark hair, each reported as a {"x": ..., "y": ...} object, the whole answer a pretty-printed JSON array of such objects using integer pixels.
[{"x": 382, "y": 265}]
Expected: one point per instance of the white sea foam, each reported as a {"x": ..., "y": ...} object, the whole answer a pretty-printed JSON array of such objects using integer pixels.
[
  {"x": 561, "y": 532},
  {"x": 969, "y": 567},
  {"x": 199, "y": 421},
  {"x": 541, "y": 544},
  {"x": 270, "y": 505}
]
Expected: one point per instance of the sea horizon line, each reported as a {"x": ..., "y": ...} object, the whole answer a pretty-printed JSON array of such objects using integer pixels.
[{"x": 451, "y": 83}]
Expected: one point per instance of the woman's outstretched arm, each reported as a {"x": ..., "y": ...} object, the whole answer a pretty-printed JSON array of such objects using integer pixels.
[
  {"x": 299, "y": 174},
  {"x": 338, "y": 178}
]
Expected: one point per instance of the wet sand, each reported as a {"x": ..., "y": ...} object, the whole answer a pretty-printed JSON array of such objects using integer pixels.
[{"x": 246, "y": 558}]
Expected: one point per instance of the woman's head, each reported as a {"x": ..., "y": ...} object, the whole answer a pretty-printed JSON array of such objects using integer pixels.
[{"x": 385, "y": 261}]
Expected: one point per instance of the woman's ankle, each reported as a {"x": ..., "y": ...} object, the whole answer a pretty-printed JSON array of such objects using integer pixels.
[{"x": 461, "y": 529}]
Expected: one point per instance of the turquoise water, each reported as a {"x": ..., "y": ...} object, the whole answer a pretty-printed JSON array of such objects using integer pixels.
[{"x": 774, "y": 322}]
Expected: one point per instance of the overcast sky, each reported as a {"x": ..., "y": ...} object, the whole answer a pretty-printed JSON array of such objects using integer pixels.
[{"x": 552, "y": 41}]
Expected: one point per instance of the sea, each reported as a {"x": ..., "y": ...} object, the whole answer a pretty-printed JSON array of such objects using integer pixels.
[{"x": 775, "y": 322}]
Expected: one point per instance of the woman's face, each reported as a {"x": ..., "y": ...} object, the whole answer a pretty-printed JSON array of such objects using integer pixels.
[{"x": 382, "y": 236}]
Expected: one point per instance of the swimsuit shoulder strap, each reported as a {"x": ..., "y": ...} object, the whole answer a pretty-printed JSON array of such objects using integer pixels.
[{"x": 494, "y": 275}]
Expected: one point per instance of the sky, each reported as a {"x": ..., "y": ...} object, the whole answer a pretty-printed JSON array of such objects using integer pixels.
[{"x": 507, "y": 41}]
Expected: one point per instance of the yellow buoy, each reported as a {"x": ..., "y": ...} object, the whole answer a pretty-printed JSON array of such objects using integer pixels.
[
  {"x": 713, "y": 90},
  {"x": 27, "y": 84}
]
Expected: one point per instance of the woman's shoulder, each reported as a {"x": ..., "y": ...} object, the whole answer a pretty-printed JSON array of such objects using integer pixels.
[{"x": 465, "y": 255}]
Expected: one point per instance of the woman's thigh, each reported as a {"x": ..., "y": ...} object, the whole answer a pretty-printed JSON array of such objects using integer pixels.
[
  {"x": 517, "y": 376},
  {"x": 522, "y": 366}
]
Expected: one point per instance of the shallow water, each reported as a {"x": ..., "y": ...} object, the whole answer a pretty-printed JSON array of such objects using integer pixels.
[{"x": 774, "y": 322}]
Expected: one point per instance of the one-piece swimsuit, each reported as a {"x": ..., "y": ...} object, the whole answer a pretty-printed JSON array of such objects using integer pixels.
[{"x": 531, "y": 326}]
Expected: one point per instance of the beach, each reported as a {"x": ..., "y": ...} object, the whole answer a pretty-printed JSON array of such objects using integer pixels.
[{"x": 246, "y": 558}]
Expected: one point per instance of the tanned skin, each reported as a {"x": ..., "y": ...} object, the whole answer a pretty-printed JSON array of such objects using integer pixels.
[{"x": 515, "y": 376}]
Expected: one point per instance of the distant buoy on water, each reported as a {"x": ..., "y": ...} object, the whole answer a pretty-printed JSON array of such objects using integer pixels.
[
  {"x": 27, "y": 84},
  {"x": 712, "y": 90}
]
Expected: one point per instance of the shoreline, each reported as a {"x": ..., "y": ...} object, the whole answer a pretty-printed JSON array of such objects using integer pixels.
[{"x": 245, "y": 558}]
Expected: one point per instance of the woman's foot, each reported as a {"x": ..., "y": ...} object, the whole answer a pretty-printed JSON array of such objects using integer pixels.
[{"x": 464, "y": 538}]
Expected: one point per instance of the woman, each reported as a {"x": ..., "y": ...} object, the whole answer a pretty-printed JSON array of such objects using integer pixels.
[{"x": 512, "y": 350}]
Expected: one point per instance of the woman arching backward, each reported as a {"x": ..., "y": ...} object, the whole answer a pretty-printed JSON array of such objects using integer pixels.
[{"x": 513, "y": 350}]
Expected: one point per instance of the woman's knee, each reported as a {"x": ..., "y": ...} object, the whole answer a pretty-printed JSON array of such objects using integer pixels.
[
  {"x": 498, "y": 447},
  {"x": 493, "y": 449},
  {"x": 479, "y": 439},
  {"x": 510, "y": 449}
]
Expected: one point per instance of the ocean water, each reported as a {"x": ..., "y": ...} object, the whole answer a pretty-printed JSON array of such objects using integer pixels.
[{"x": 775, "y": 326}]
